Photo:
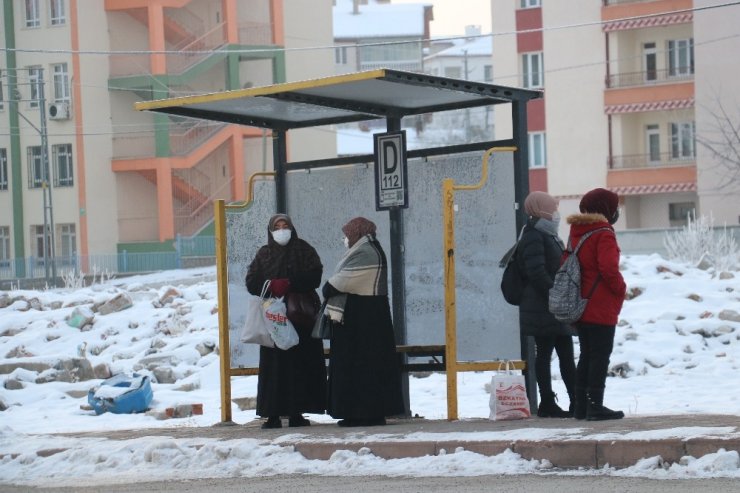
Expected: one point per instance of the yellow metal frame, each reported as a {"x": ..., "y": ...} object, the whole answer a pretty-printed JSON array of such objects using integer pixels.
[
  {"x": 258, "y": 91},
  {"x": 453, "y": 366},
  {"x": 222, "y": 278}
]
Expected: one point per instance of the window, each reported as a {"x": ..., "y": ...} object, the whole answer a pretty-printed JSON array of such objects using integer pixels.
[
  {"x": 528, "y": 4},
  {"x": 34, "y": 82},
  {"x": 4, "y": 246},
  {"x": 57, "y": 16},
  {"x": 68, "y": 237},
  {"x": 38, "y": 238},
  {"x": 537, "y": 150},
  {"x": 33, "y": 18},
  {"x": 678, "y": 213},
  {"x": 63, "y": 170},
  {"x": 680, "y": 57},
  {"x": 453, "y": 72},
  {"x": 652, "y": 137},
  {"x": 61, "y": 82},
  {"x": 2, "y": 99},
  {"x": 487, "y": 73},
  {"x": 532, "y": 74},
  {"x": 340, "y": 55},
  {"x": 3, "y": 169},
  {"x": 35, "y": 167},
  {"x": 683, "y": 140},
  {"x": 650, "y": 59}
]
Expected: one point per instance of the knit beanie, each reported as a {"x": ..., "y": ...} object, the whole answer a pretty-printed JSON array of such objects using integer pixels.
[
  {"x": 600, "y": 201},
  {"x": 540, "y": 204},
  {"x": 357, "y": 228}
]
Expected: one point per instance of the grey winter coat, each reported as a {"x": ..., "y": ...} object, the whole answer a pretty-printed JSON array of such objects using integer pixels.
[{"x": 538, "y": 256}]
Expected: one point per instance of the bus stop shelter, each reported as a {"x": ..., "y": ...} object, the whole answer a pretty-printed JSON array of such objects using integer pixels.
[{"x": 378, "y": 94}]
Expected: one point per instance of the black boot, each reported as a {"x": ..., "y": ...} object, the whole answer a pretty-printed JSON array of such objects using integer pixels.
[
  {"x": 579, "y": 406},
  {"x": 272, "y": 422},
  {"x": 596, "y": 411},
  {"x": 549, "y": 409}
]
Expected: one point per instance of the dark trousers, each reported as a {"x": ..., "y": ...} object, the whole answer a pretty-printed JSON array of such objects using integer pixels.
[
  {"x": 563, "y": 346},
  {"x": 597, "y": 342}
]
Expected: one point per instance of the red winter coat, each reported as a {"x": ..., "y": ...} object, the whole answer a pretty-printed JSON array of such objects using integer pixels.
[{"x": 598, "y": 256}]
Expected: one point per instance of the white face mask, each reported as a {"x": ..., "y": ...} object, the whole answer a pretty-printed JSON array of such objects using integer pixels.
[
  {"x": 555, "y": 217},
  {"x": 281, "y": 236},
  {"x": 345, "y": 240}
]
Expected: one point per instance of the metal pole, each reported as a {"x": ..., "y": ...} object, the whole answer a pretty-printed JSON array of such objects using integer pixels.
[
  {"x": 279, "y": 157},
  {"x": 48, "y": 203},
  {"x": 521, "y": 189},
  {"x": 398, "y": 278}
]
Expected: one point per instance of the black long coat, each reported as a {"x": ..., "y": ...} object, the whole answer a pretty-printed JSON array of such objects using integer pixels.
[
  {"x": 364, "y": 372},
  {"x": 292, "y": 381},
  {"x": 538, "y": 257}
]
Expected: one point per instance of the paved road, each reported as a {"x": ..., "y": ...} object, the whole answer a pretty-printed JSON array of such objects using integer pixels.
[{"x": 487, "y": 484}]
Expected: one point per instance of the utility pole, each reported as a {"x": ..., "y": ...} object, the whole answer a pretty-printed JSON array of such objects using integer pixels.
[
  {"x": 49, "y": 253},
  {"x": 48, "y": 205}
]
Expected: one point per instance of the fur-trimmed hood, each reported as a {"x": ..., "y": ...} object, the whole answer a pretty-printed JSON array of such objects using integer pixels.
[{"x": 587, "y": 218}]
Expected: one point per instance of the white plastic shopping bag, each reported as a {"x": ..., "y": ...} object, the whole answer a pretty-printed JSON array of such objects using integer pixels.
[
  {"x": 282, "y": 331},
  {"x": 508, "y": 396},
  {"x": 256, "y": 329}
]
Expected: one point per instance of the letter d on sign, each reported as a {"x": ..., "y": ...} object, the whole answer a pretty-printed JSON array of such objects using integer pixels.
[{"x": 390, "y": 157}]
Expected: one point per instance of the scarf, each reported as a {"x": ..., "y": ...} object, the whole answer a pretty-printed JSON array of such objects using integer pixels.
[
  {"x": 363, "y": 271},
  {"x": 549, "y": 228}
]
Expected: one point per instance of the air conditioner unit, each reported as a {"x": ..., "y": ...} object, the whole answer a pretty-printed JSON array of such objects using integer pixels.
[{"x": 59, "y": 111}]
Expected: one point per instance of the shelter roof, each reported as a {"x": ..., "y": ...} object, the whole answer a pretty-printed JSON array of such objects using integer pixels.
[{"x": 359, "y": 96}]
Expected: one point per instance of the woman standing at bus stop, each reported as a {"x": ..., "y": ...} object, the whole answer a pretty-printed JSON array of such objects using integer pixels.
[
  {"x": 291, "y": 382},
  {"x": 364, "y": 374},
  {"x": 538, "y": 254}
]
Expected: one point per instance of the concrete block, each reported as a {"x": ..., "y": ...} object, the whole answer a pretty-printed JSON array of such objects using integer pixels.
[
  {"x": 625, "y": 453},
  {"x": 399, "y": 450},
  {"x": 564, "y": 454},
  {"x": 698, "y": 447},
  {"x": 483, "y": 448},
  {"x": 323, "y": 451}
]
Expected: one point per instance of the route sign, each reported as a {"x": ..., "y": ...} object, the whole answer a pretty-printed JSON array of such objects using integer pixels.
[{"x": 391, "y": 174}]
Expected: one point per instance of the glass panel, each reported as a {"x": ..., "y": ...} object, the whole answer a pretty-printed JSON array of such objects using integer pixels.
[{"x": 488, "y": 328}]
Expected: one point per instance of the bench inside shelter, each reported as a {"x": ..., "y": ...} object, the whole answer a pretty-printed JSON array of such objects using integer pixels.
[{"x": 436, "y": 354}]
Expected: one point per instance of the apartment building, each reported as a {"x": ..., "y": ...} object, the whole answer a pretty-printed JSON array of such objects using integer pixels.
[
  {"x": 632, "y": 93},
  {"x": 370, "y": 34},
  {"x": 125, "y": 180}
]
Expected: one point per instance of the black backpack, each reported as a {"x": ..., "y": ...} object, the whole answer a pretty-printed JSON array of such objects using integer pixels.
[{"x": 512, "y": 282}]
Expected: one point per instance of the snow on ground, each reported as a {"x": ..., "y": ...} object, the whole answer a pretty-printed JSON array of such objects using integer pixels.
[{"x": 681, "y": 330}]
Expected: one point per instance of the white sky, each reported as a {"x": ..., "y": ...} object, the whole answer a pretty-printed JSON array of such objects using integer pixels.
[
  {"x": 671, "y": 337},
  {"x": 451, "y": 16}
]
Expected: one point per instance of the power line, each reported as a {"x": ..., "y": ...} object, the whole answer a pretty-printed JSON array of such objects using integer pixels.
[{"x": 360, "y": 45}]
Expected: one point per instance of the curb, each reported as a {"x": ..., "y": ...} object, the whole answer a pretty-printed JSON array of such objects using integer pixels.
[{"x": 566, "y": 454}]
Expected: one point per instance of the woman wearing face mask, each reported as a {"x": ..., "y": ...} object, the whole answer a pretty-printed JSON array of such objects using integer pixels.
[
  {"x": 604, "y": 285},
  {"x": 291, "y": 382},
  {"x": 364, "y": 375},
  {"x": 538, "y": 254}
]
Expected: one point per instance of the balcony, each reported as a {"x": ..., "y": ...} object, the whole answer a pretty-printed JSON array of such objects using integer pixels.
[
  {"x": 631, "y": 161},
  {"x": 620, "y": 15},
  {"x": 650, "y": 77},
  {"x": 638, "y": 174}
]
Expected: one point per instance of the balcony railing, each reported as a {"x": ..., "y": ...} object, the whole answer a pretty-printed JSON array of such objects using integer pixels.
[
  {"x": 187, "y": 135},
  {"x": 636, "y": 161},
  {"x": 649, "y": 77}
]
